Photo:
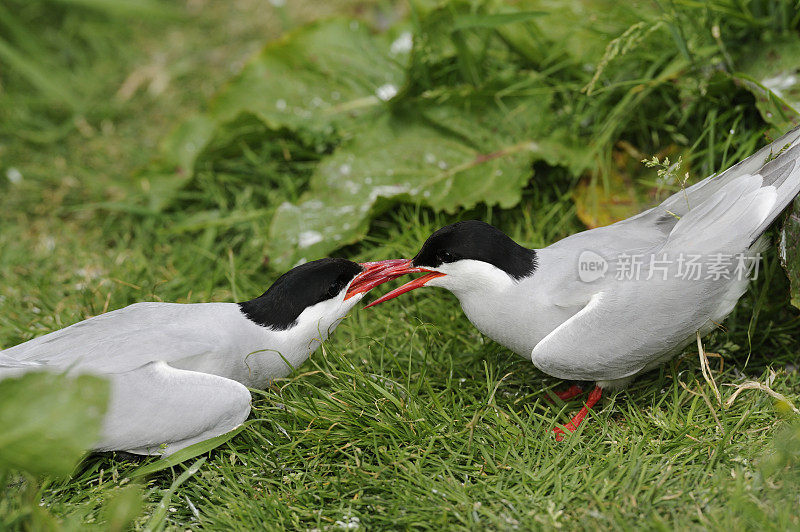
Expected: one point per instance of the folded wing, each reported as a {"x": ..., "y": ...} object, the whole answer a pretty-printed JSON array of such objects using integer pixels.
[
  {"x": 633, "y": 322},
  {"x": 127, "y": 338},
  {"x": 157, "y": 409}
]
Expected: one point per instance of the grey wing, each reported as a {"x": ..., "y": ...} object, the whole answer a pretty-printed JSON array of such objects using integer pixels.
[
  {"x": 11, "y": 367},
  {"x": 778, "y": 164},
  {"x": 119, "y": 340},
  {"x": 621, "y": 333},
  {"x": 157, "y": 409},
  {"x": 629, "y": 324},
  {"x": 728, "y": 221}
]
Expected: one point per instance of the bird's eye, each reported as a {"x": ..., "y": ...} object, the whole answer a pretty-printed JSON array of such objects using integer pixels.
[
  {"x": 333, "y": 290},
  {"x": 337, "y": 286},
  {"x": 445, "y": 256}
]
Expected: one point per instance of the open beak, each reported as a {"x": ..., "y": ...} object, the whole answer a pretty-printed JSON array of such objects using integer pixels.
[
  {"x": 373, "y": 275},
  {"x": 398, "y": 271}
]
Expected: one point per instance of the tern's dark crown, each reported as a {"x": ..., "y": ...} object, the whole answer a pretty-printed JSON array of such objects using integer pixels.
[
  {"x": 298, "y": 289},
  {"x": 473, "y": 239}
]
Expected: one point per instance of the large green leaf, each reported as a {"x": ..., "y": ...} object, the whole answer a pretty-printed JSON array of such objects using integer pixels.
[
  {"x": 452, "y": 157},
  {"x": 447, "y": 149},
  {"x": 317, "y": 79},
  {"x": 772, "y": 75},
  {"x": 579, "y": 30},
  {"x": 48, "y": 421}
]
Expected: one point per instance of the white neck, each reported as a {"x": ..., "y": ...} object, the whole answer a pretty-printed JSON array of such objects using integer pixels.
[
  {"x": 511, "y": 312},
  {"x": 313, "y": 327}
]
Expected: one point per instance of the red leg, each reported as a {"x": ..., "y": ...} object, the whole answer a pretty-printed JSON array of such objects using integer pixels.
[
  {"x": 576, "y": 421},
  {"x": 569, "y": 393},
  {"x": 566, "y": 395}
]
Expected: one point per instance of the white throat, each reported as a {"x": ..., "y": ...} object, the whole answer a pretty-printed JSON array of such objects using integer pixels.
[
  {"x": 465, "y": 277},
  {"x": 315, "y": 324},
  {"x": 497, "y": 304}
]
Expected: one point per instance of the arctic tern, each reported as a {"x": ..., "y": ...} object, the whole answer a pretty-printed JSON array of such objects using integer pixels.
[
  {"x": 610, "y": 303},
  {"x": 179, "y": 372}
]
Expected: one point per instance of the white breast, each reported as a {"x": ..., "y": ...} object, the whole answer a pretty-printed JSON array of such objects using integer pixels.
[{"x": 516, "y": 314}]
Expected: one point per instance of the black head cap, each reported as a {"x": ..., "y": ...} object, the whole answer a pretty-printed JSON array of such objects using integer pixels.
[
  {"x": 299, "y": 288},
  {"x": 473, "y": 239}
]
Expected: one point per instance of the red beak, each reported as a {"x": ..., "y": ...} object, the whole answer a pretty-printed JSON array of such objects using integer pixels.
[
  {"x": 400, "y": 270},
  {"x": 373, "y": 275}
]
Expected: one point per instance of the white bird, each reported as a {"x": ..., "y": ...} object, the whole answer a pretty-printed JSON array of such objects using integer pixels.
[
  {"x": 179, "y": 372},
  {"x": 607, "y": 304}
]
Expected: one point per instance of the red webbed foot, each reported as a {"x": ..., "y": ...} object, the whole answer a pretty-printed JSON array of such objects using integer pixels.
[
  {"x": 569, "y": 393},
  {"x": 566, "y": 395},
  {"x": 576, "y": 421}
]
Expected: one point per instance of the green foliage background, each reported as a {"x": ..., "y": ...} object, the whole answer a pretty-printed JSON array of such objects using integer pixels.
[
  {"x": 145, "y": 154},
  {"x": 455, "y": 107}
]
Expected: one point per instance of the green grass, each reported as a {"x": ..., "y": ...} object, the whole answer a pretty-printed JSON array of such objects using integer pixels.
[{"x": 408, "y": 418}]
